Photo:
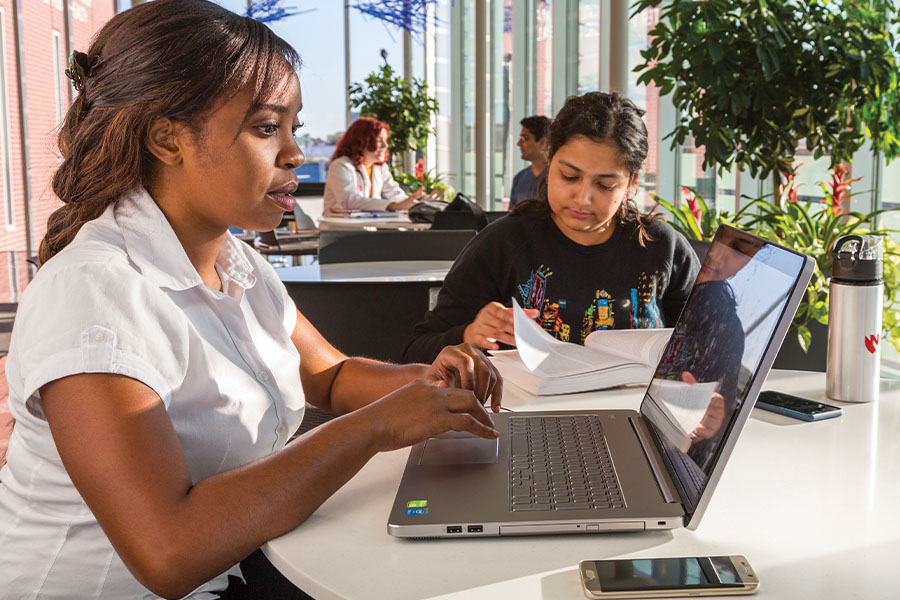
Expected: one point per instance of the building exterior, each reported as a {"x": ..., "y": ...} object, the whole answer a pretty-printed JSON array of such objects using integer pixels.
[{"x": 34, "y": 95}]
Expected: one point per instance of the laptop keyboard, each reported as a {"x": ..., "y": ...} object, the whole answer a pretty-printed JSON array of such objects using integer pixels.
[{"x": 560, "y": 463}]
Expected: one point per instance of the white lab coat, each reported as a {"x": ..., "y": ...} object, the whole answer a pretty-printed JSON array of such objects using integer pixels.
[{"x": 348, "y": 187}]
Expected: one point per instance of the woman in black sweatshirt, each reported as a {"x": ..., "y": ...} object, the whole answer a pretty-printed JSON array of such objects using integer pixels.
[{"x": 580, "y": 256}]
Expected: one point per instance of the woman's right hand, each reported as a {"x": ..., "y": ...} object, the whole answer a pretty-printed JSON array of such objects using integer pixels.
[
  {"x": 418, "y": 411},
  {"x": 406, "y": 204},
  {"x": 492, "y": 324}
]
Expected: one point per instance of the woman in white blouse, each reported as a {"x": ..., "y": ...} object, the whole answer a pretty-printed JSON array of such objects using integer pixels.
[
  {"x": 358, "y": 176},
  {"x": 157, "y": 365}
]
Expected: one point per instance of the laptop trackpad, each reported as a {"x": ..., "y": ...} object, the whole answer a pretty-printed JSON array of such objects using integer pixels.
[{"x": 468, "y": 450}]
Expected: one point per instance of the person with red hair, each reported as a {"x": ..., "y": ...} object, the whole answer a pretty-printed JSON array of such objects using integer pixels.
[{"x": 358, "y": 176}]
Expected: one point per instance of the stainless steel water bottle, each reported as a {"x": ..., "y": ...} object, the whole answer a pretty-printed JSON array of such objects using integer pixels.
[{"x": 854, "y": 319}]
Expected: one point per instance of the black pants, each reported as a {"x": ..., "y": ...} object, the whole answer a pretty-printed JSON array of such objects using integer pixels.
[{"x": 263, "y": 582}]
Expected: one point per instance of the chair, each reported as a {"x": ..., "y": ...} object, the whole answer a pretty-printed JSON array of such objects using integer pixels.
[
  {"x": 700, "y": 247},
  {"x": 445, "y": 219},
  {"x": 341, "y": 246},
  {"x": 493, "y": 215},
  {"x": 364, "y": 318}
]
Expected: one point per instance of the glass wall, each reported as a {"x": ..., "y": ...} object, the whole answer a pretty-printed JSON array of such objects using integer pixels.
[
  {"x": 646, "y": 97},
  {"x": 589, "y": 16},
  {"x": 543, "y": 63},
  {"x": 502, "y": 147}
]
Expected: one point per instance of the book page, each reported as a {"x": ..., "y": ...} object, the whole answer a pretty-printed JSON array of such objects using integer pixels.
[
  {"x": 641, "y": 345},
  {"x": 514, "y": 371},
  {"x": 546, "y": 356},
  {"x": 684, "y": 404}
]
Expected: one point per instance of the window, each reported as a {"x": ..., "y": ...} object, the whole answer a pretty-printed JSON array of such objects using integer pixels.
[
  {"x": 5, "y": 142},
  {"x": 12, "y": 269},
  {"x": 58, "y": 80}
]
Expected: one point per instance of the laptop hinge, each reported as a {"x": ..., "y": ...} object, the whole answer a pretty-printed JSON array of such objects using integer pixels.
[{"x": 655, "y": 463}]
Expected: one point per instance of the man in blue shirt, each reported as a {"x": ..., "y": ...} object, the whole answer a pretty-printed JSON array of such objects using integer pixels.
[{"x": 533, "y": 145}]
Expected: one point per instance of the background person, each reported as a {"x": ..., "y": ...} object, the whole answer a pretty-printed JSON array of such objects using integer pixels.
[
  {"x": 533, "y": 146},
  {"x": 359, "y": 177},
  {"x": 581, "y": 256},
  {"x": 157, "y": 365}
]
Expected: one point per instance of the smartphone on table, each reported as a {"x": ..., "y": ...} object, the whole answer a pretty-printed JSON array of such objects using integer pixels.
[
  {"x": 667, "y": 577},
  {"x": 795, "y": 406}
]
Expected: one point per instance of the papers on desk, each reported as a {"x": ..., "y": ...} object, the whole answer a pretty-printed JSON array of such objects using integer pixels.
[
  {"x": 362, "y": 214},
  {"x": 544, "y": 365}
]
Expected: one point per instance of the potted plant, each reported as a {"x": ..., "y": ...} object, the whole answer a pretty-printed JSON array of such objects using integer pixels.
[
  {"x": 811, "y": 228},
  {"x": 752, "y": 80},
  {"x": 429, "y": 181},
  {"x": 404, "y": 106}
]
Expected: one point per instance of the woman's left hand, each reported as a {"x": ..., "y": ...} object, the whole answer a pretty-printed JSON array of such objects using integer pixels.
[{"x": 466, "y": 367}]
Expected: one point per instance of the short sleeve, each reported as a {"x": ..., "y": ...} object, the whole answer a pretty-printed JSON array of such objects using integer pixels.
[{"x": 97, "y": 318}]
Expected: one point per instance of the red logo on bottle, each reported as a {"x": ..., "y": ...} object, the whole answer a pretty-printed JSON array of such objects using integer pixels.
[{"x": 872, "y": 342}]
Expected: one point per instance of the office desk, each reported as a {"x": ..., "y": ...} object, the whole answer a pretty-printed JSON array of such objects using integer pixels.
[
  {"x": 400, "y": 222},
  {"x": 367, "y": 309},
  {"x": 812, "y": 506}
]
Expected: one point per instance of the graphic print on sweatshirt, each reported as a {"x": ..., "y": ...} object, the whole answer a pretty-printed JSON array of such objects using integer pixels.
[{"x": 639, "y": 305}]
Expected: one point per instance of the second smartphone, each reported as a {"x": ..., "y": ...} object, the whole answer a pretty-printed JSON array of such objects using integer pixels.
[
  {"x": 667, "y": 577},
  {"x": 795, "y": 406}
]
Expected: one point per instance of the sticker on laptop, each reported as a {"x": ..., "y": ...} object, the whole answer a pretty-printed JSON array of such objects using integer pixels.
[
  {"x": 416, "y": 511},
  {"x": 417, "y": 503}
]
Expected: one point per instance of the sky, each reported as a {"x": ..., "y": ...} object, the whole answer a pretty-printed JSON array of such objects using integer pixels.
[{"x": 317, "y": 33}]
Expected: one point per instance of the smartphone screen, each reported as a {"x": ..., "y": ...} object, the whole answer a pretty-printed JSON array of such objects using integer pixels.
[
  {"x": 664, "y": 574},
  {"x": 794, "y": 403}
]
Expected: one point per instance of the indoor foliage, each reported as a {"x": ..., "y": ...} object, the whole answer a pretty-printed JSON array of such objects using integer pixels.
[
  {"x": 808, "y": 227},
  {"x": 405, "y": 106},
  {"x": 751, "y": 80}
]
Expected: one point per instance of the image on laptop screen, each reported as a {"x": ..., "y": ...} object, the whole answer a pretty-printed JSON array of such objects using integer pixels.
[{"x": 715, "y": 350}]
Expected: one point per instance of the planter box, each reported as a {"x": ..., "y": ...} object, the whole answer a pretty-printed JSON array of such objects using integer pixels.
[{"x": 792, "y": 356}]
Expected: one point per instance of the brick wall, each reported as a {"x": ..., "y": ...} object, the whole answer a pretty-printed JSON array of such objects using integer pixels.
[{"x": 40, "y": 19}]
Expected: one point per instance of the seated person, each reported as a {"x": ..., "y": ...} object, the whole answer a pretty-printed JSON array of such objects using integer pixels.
[
  {"x": 158, "y": 367},
  {"x": 580, "y": 257},
  {"x": 358, "y": 176},
  {"x": 533, "y": 146}
]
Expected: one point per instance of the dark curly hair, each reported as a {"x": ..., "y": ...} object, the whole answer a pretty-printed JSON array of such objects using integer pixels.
[{"x": 600, "y": 117}]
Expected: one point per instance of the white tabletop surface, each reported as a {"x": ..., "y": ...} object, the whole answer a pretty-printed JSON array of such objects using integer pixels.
[
  {"x": 400, "y": 270},
  {"x": 813, "y": 506},
  {"x": 401, "y": 221}
]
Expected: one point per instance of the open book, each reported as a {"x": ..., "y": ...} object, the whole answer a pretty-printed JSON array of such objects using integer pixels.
[{"x": 544, "y": 365}]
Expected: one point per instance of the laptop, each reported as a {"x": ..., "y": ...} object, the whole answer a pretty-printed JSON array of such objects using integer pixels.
[{"x": 563, "y": 471}]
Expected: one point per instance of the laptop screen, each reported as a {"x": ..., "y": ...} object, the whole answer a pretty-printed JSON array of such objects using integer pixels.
[{"x": 712, "y": 358}]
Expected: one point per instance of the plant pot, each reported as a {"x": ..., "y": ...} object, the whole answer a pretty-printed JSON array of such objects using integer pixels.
[{"x": 792, "y": 356}]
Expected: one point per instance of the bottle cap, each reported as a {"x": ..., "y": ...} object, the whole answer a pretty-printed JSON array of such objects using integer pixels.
[{"x": 858, "y": 258}]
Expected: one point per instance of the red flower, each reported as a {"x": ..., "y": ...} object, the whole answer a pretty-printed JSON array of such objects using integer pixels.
[
  {"x": 420, "y": 169},
  {"x": 840, "y": 186},
  {"x": 789, "y": 179},
  {"x": 692, "y": 203}
]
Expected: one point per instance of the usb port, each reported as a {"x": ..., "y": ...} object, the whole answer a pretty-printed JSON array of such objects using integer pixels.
[
  {"x": 454, "y": 528},
  {"x": 475, "y": 529}
]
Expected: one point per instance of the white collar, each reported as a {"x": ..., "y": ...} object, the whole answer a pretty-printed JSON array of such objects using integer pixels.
[{"x": 154, "y": 248}]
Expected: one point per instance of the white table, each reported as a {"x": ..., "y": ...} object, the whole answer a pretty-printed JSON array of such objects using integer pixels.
[
  {"x": 377, "y": 272},
  {"x": 813, "y": 506},
  {"x": 401, "y": 221}
]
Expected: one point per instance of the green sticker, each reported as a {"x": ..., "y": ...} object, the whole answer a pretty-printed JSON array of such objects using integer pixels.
[{"x": 416, "y": 503}]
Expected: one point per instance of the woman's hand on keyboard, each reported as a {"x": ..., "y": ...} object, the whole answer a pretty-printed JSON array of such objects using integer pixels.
[
  {"x": 418, "y": 411},
  {"x": 466, "y": 367}
]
